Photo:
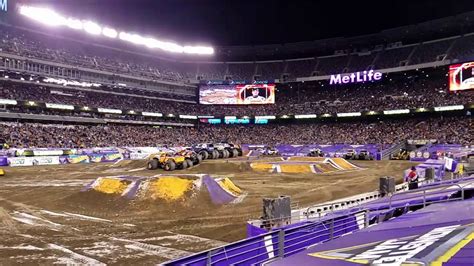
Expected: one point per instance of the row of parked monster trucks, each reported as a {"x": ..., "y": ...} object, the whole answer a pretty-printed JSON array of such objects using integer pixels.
[{"x": 170, "y": 159}]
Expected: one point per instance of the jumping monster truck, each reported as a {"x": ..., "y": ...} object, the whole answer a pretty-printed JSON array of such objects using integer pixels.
[
  {"x": 268, "y": 151},
  {"x": 168, "y": 161}
]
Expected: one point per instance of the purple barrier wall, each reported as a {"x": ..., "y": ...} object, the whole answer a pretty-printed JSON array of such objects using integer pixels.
[{"x": 3, "y": 160}]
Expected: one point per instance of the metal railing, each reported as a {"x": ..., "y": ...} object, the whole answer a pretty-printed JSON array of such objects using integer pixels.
[{"x": 286, "y": 241}]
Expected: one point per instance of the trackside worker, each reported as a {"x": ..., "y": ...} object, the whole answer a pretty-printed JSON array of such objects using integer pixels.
[{"x": 412, "y": 179}]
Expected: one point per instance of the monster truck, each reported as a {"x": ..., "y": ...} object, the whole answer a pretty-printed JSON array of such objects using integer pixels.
[
  {"x": 315, "y": 153},
  {"x": 350, "y": 154},
  {"x": 206, "y": 150},
  {"x": 188, "y": 153},
  {"x": 364, "y": 155},
  {"x": 268, "y": 151},
  {"x": 168, "y": 161},
  {"x": 227, "y": 150}
]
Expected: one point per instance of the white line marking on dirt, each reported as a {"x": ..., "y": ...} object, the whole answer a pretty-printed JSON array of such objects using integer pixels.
[
  {"x": 23, "y": 247},
  {"x": 85, "y": 217},
  {"x": 74, "y": 255},
  {"x": 54, "y": 213},
  {"x": 136, "y": 169},
  {"x": 165, "y": 252}
]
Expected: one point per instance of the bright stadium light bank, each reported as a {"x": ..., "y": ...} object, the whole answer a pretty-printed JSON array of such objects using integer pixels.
[{"x": 355, "y": 77}]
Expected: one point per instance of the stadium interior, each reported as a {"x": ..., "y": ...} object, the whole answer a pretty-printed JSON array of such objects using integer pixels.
[{"x": 119, "y": 148}]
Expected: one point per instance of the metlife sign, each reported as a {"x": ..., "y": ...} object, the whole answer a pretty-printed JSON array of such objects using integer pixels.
[
  {"x": 356, "y": 77},
  {"x": 4, "y": 5}
]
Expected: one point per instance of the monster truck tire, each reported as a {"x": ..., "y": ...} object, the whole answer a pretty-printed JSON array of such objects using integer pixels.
[
  {"x": 189, "y": 163},
  {"x": 216, "y": 154},
  {"x": 204, "y": 155},
  {"x": 199, "y": 159},
  {"x": 152, "y": 164},
  {"x": 169, "y": 166},
  {"x": 225, "y": 154},
  {"x": 183, "y": 165},
  {"x": 235, "y": 153}
]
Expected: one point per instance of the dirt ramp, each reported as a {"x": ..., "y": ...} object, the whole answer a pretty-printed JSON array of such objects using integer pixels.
[{"x": 167, "y": 188}]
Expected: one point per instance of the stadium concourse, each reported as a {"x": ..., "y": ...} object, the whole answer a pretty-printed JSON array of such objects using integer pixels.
[{"x": 89, "y": 113}]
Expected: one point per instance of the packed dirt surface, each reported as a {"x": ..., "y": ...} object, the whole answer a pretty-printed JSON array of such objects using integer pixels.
[{"x": 45, "y": 219}]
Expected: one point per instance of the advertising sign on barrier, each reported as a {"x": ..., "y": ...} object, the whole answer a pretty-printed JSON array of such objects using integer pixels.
[
  {"x": 139, "y": 156},
  {"x": 29, "y": 161}
]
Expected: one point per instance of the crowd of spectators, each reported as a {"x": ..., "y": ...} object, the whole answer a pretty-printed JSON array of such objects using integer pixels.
[
  {"x": 415, "y": 89},
  {"x": 35, "y": 45},
  {"x": 447, "y": 130}
]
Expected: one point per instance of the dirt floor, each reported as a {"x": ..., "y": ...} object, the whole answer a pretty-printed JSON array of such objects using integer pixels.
[{"x": 45, "y": 219}]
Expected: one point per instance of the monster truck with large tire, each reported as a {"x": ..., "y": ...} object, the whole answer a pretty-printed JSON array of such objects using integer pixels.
[
  {"x": 228, "y": 150},
  {"x": 364, "y": 155},
  {"x": 168, "y": 161},
  {"x": 206, "y": 150},
  {"x": 315, "y": 153}
]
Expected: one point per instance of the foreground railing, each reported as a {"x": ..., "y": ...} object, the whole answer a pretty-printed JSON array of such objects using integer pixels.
[{"x": 295, "y": 238}]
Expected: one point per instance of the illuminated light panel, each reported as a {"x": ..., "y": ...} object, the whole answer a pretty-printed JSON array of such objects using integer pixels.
[
  {"x": 305, "y": 116},
  {"x": 449, "y": 108},
  {"x": 188, "y": 116},
  {"x": 396, "y": 112},
  {"x": 51, "y": 18},
  {"x": 92, "y": 28},
  {"x": 205, "y": 116},
  {"x": 230, "y": 117},
  {"x": 265, "y": 117},
  {"x": 152, "y": 114},
  {"x": 8, "y": 102},
  {"x": 111, "y": 33},
  {"x": 111, "y": 111},
  {"x": 59, "y": 106},
  {"x": 349, "y": 114}
]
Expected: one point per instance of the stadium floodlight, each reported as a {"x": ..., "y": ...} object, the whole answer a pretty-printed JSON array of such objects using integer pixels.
[
  {"x": 31, "y": 103},
  {"x": 230, "y": 117},
  {"x": 109, "y": 32},
  {"x": 349, "y": 114},
  {"x": 51, "y": 18},
  {"x": 396, "y": 112},
  {"x": 206, "y": 116},
  {"x": 198, "y": 50},
  {"x": 43, "y": 15},
  {"x": 92, "y": 28},
  {"x": 449, "y": 108},
  {"x": 74, "y": 24}
]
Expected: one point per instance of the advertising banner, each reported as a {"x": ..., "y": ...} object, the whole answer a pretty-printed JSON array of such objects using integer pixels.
[
  {"x": 237, "y": 94},
  {"x": 29, "y": 161},
  {"x": 139, "y": 156}
]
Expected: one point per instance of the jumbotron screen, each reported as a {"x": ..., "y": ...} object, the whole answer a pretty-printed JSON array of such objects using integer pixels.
[
  {"x": 237, "y": 94},
  {"x": 461, "y": 77}
]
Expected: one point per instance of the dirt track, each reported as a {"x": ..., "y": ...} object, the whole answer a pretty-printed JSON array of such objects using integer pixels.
[{"x": 45, "y": 219}]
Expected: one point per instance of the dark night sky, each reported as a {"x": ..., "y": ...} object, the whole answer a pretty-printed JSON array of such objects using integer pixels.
[{"x": 246, "y": 22}]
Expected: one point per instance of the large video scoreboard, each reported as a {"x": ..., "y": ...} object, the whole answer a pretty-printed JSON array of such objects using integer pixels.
[
  {"x": 461, "y": 77},
  {"x": 241, "y": 94}
]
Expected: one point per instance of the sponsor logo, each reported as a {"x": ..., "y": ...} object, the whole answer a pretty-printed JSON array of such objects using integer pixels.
[
  {"x": 355, "y": 77},
  {"x": 399, "y": 250}
]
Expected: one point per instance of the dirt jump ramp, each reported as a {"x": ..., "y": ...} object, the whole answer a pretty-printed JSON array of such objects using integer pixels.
[{"x": 169, "y": 188}]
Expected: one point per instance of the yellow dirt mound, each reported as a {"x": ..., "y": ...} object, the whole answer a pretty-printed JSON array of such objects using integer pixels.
[
  {"x": 325, "y": 168},
  {"x": 111, "y": 185},
  {"x": 343, "y": 164},
  {"x": 169, "y": 188},
  {"x": 227, "y": 184},
  {"x": 262, "y": 166},
  {"x": 295, "y": 168}
]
